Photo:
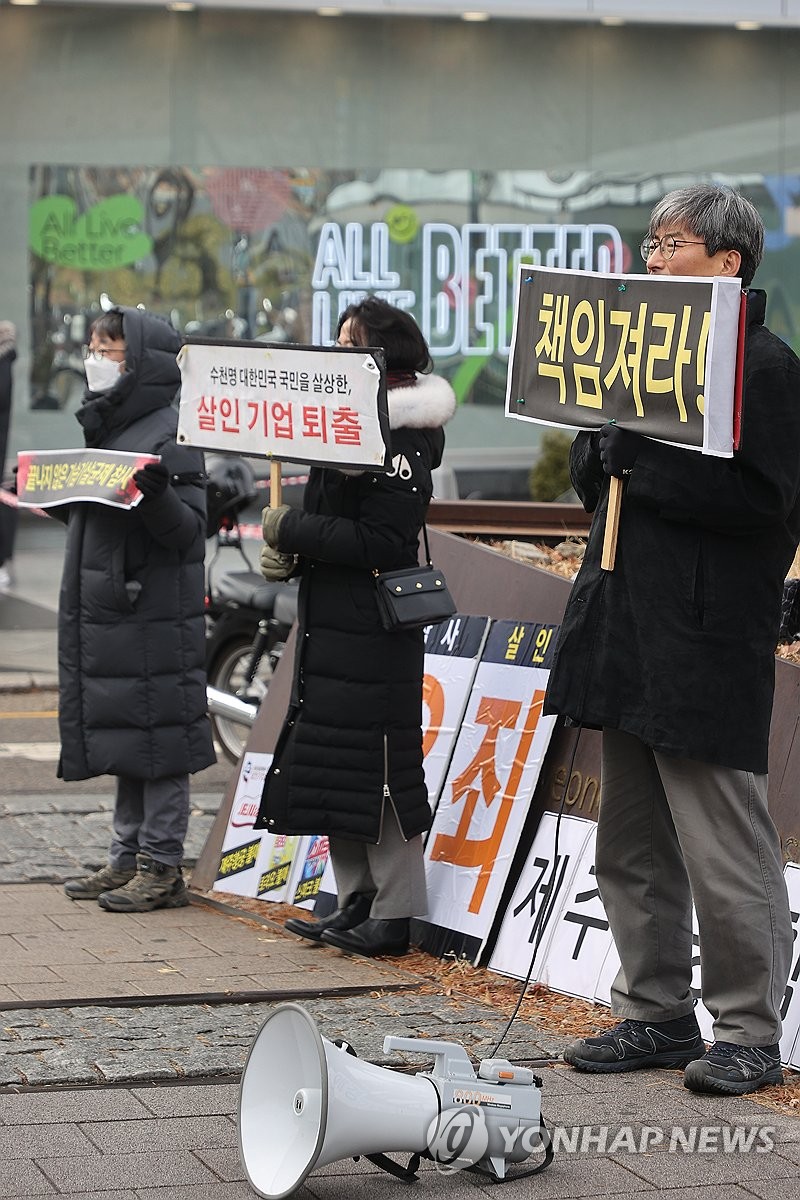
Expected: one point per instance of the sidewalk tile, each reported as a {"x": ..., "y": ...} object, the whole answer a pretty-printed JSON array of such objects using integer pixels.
[
  {"x": 127, "y": 1171},
  {"x": 154, "y": 1134}
]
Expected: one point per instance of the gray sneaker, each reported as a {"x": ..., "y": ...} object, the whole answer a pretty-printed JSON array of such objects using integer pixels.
[
  {"x": 634, "y": 1045},
  {"x": 155, "y": 885},
  {"x": 107, "y": 879}
]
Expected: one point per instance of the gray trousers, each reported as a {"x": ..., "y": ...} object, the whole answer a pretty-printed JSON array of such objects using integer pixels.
[
  {"x": 151, "y": 817},
  {"x": 391, "y": 871},
  {"x": 671, "y": 831}
]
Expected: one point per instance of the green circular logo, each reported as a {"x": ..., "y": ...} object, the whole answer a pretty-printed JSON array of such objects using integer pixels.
[{"x": 402, "y": 222}]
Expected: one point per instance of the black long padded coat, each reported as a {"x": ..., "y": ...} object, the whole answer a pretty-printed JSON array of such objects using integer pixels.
[
  {"x": 349, "y": 756},
  {"x": 676, "y": 645},
  {"x": 131, "y": 635}
]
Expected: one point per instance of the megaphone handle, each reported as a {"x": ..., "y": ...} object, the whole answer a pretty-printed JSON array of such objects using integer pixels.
[
  {"x": 451, "y": 1060},
  {"x": 407, "y": 1174}
]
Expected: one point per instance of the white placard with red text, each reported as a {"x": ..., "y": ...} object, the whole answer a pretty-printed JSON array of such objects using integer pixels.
[
  {"x": 290, "y": 403},
  {"x": 241, "y": 845},
  {"x": 493, "y": 772}
]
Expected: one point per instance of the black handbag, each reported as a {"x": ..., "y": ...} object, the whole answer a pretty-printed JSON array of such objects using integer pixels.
[{"x": 414, "y": 596}]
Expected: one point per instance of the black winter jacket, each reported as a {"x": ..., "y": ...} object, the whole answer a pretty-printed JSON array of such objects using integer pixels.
[
  {"x": 131, "y": 634},
  {"x": 350, "y": 752},
  {"x": 676, "y": 645}
]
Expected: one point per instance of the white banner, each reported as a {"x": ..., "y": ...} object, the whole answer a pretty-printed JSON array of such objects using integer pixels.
[
  {"x": 241, "y": 845},
  {"x": 309, "y": 867},
  {"x": 790, "y": 1009},
  {"x": 278, "y": 855},
  {"x": 290, "y": 403},
  {"x": 452, "y": 651},
  {"x": 543, "y": 891},
  {"x": 493, "y": 772}
]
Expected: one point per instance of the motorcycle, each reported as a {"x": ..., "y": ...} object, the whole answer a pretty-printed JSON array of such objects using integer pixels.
[{"x": 247, "y": 619}]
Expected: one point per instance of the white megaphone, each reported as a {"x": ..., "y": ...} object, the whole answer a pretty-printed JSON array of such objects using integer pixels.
[{"x": 305, "y": 1102}]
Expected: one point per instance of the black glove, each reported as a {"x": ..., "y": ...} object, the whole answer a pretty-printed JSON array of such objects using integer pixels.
[
  {"x": 152, "y": 480},
  {"x": 619, "y": 449}
]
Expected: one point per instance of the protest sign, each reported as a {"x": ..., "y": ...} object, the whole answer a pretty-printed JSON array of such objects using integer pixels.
[
  {"x": 540, "y": 898},
  {"x": 253, "y": 862},
  {"x": 656, "y": 354},
  {"x": 790, "y": 1008},
  {"x": 487, "y": 794},
  {"x": 238, "y": 865},
  {"x": 46, "y": 478},
  {"x": 287, "y": 403},
  {"x": 452, "y": 651},
  {"x": 308, "y": 870}
]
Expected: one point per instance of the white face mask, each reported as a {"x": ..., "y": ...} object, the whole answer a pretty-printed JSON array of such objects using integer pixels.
[{"x": 101, "y": 373}]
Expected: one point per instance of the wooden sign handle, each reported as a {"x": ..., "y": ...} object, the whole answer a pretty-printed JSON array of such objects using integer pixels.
[
  {"x": 275, "y": 485},
  {"x": 612, "y": 524}
]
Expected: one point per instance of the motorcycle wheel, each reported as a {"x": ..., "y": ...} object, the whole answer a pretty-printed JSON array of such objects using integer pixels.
[{"x": 228, "y": 673}]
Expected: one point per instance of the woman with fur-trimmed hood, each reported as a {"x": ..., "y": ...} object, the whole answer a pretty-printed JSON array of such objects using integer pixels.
[{"x": 349, "y": 759}]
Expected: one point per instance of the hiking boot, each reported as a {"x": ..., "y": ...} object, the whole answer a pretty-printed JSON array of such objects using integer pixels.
[
  {"x": 155, "y": 885},
  {"x": 107, "y": 879},
  {"x": 734, "y": 1069},
  {"x": 636, "y": 1045}
]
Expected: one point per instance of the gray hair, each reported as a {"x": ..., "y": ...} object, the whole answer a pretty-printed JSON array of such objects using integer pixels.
[{"x": 720, "y": 216}]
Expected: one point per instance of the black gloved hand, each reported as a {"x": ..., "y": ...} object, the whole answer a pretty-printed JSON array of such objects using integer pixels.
[
  {"x": 619, "y": 449},
  {"x": 152, "y": 480}
]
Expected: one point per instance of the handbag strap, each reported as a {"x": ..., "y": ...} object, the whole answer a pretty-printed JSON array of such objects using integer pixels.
[
  {"x": 427, "y": 547},
  {"x": 375, "y": 570}
]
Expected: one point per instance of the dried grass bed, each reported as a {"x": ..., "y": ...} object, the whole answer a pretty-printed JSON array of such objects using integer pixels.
[{"x": 459, "y": 979}]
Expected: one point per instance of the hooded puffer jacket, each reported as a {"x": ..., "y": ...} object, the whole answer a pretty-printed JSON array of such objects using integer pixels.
[
  {"x": 131, "y": 618},
  {"x": 350, "y": 753}
]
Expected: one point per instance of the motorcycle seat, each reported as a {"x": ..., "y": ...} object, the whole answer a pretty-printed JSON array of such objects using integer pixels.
[{"x": 249, "y": 589}]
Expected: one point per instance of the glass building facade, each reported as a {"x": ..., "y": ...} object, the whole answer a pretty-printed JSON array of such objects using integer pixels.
[{"x": 249, "y": 173}]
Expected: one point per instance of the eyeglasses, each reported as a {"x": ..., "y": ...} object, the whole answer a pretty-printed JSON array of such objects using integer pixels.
[
  {"x": 101, "y": 352},
  {"x": 667, "y": 244}
]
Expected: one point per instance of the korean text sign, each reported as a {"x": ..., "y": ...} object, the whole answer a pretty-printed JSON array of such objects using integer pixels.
[
  {"x": 655, "y": 354},
  {"x": 46, "y": 478},
  {"x": 288, "y": 403},
  {"x": 491, "y": 779}
]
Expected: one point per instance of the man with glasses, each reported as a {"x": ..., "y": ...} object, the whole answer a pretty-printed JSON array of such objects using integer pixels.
[{"x": 671, "y": 654}]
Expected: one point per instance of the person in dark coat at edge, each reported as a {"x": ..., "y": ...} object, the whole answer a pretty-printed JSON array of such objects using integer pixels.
[
  {"x": 671, "y": 654},
  {"x": 131, "y": 633},
  {"x": 8, "y": 515},
  {"x": 348, "y": 761}
]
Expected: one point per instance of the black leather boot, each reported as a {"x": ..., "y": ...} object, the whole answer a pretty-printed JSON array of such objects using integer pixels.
[
  {"x": 371, "y": 937},
  {"x": 343, "y": 918}
]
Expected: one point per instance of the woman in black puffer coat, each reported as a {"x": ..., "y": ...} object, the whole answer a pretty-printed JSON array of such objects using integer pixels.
[
  {"x": 349, "y": 759},
  {"x": 131, "y": 636}
]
